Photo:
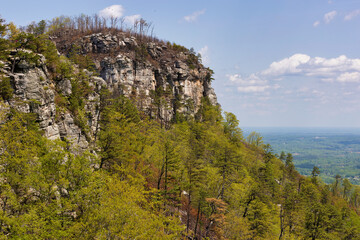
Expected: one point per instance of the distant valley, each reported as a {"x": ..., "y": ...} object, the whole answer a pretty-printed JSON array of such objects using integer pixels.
[{"x": 333, "y": 150}]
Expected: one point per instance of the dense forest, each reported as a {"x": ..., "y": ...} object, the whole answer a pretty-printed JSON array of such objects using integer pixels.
[{"x": 195, "y": 177}]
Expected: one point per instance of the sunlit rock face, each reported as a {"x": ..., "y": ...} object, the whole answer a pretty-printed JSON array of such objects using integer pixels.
[{"x": 162, "y": 81}]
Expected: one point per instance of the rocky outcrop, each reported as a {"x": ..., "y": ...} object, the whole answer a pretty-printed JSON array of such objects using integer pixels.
[
  {"x": 160, "y": 79},
  {"x": 34, "y": 92},
  {"x": 141, "y": 69}
]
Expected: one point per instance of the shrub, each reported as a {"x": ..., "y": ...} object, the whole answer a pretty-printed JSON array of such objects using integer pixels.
[{"x": 6, "y": 91}]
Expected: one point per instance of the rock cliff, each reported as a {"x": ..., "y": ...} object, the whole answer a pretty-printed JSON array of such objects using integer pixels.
[{"x": 163, "y": 79}]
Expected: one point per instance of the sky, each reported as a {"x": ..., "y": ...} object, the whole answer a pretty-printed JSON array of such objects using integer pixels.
[{"x": 277, "y": 63}]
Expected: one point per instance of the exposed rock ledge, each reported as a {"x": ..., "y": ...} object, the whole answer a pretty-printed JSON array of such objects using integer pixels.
[{"x": 121, "y": 73}]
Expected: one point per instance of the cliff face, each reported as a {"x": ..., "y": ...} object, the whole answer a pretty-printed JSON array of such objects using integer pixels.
[
  {"x": 140, "y": 69},
  {"x": 34, "y": 92},
  {"x": 163, "y": 82}
]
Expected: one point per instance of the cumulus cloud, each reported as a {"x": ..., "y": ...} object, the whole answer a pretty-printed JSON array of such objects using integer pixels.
[
  {"x": 349, "y": 77},
  {"x": 352, "y": 15},
  {"x": 130, "y": 20},
  {"x": 328, "y": 17},
  {"x": 253, "y": 79},
  {"x": 287, "y": 65},
  {"x": 315, "y": 24},
  {"x": 193, "y": 17},
  {"x": 250, "y": 84},
  {"x": 204, "y": 52},
  {"x": 115, "y": 11},
  {"x": 329, "y": 69},
  {"x": 252, "y": 89}
]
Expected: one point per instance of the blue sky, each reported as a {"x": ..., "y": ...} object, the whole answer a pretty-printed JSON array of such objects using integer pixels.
[{"x": 276, "y": 62}]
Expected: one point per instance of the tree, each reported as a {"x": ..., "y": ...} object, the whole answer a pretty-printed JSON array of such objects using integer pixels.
[
  {"x": 231, "y": 128},
  {"x": 4, "y": 43},
  {"x": 119, "y": 135},
  {"x": 347, "y": 186},
  {"x": 37, "y": 28},
  {"x": 282, "y": 156},
  {"x": 169, "y": 165},
  {"x": 336, "y": 185},
  {"x": 315, "y": 172},
  {"x": 289, "y": 165},
  {"x": 6, "y": 91},
  {"x": 255, "y": 139},
  {"x": 194, "y": 169}
]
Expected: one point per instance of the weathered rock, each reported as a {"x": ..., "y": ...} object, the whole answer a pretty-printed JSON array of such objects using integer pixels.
[
  {"x": 69, "y": 131},
  {"x": 64, "y": 87},
  {"x": 160, "y": 79},
  {"x": 34, "y": 92},
  {"x": 140, "y": 78}
]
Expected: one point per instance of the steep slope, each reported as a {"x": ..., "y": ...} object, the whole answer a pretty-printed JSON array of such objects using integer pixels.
[
  {"x": 159, "y": 80},
  {"x": 158, "y": 158}
]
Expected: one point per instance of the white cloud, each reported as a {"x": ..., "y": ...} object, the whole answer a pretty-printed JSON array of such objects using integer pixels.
[
  {"x": 352, "y": 15},
  {"x": 328, "y": 17},
  {"x": 250, "y": 84},
  {"x": 130, "y": 20},
  {"x": 252, "y": 79},
  {"x": 287, "y": 65},
  {"x": 204, "y": 52},
  {"x": 193, "y": 17},
  {"x": 315, "y": 24},
  {"x": 349, "y": 77},
  {"x": 112, "y": 11},
  {"x": 302, "y": 64},
  {"x": 252, "y": 89},
  {"x": 329, "y": 70}
]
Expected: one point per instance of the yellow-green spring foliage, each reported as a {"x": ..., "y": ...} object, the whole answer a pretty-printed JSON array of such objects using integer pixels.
[{"x": 197, "y": 178}]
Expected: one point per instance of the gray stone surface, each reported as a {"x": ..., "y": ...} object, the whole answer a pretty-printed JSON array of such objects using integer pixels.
[{"x": 121, "y": 73}]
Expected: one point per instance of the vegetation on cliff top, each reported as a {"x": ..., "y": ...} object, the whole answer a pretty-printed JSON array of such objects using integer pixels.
[{"x": 198, "y": 178}]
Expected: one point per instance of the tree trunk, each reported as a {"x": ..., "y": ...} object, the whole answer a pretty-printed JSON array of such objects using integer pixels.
[
  {"x": 197, "y": 218},
  {"x": 188, "y": 213},
  {"x": 281, "y": 222}
]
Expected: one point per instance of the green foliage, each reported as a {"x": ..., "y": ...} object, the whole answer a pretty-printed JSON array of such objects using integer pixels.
[
  {"x": 6, "y": 91},
  {"x": 25, "y": 57},
  {"x": 208, "y": 112},
  {"x": 37, "y": 41},
  {"x": 145, "y": 173},
  {"x": 255, "y": 139},
  {"x": 141, "y": 53},
  {"x": 58, "y": 23},
  {"x": 79, "y": 90},
  {"x": 37, "y": 28},
  {"x": 48, "y": 193},
  {"x": 83, "y": 61},
  {"x": 64, "y": 69},
  {"x": 231, "y": 128},
  {"x": 4, "y": 43},
  {"x": 178, "y": 48},
  {"x": 197, "y": 178},
  {"x": 209, "y": 75}
]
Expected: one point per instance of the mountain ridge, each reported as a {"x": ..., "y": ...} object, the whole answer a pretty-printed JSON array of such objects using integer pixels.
[{"x": 120, "y": 136}]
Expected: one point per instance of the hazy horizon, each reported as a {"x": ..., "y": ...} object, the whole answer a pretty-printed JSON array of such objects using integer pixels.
[{"x": 302, "y": 130}]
